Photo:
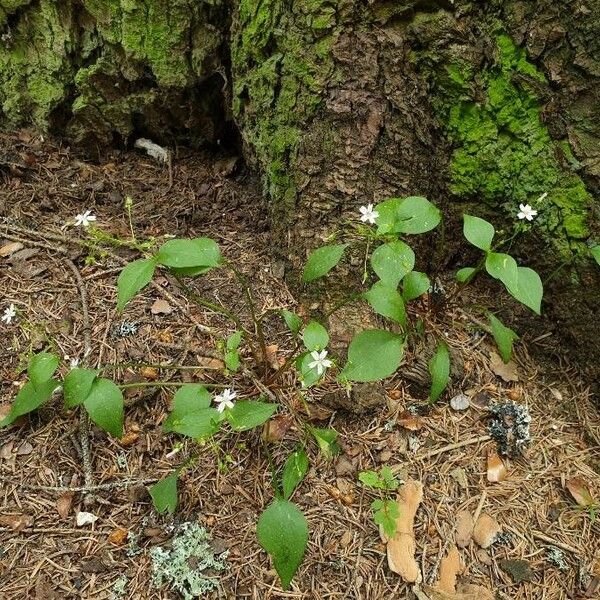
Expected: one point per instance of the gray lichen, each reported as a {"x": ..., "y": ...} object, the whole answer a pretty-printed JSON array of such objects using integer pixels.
[{"x": 190, "y": 566}]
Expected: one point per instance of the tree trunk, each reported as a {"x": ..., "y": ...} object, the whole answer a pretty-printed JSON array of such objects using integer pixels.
[{"x": 479, "y": 106}]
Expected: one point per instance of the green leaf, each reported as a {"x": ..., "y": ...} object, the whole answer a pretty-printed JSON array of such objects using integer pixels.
[
  {"x": 292, "y": 320},
  {"x": 282, "y": 531},
  {"x": 184, "y": 254},
  {"x": 164, "y": 494},
  {"x": 321, "y": 261},
  {"x": 189, "y": 398},
  {"x": 247, "y": 414},
  {"x": 414, "y": 284},
  {"x": 308, "y": 375},
  {"x": 373, "y": 355},
  {"x": 385, "y": 513},
  {"x": 595, "y": 250},
  {"x": 104, "y": 404},
  {"x": 199, "y": 424},
  {"x": 41, "y": 367},
  {"x": 28, "y": 399},
  {"x": 392, "y": 261},
  {"x": 189, "y": 271},
  {"x": 234, "y": 341},
  {"x": 371, "y": 479},
  {"x": 529, "y": 289},
  {"x": 439, "y": 368},
  {"x": 327, "y": 441},
  {"x": 294, "y": 470},
  {"x": 315, "y": 336},
  {"x": 503, "y": 267},
  {"x": 479, "y": 232},
  {"x": 409, "y": 215},
  {"x": 77, "y": 386},
  {"x": 465, "y": 274},
  {"x": 132, "y": 279},
  {"x": 387, "y": 302},
  {"x": 232, "y": 360},
  {"x": 504, "y": 337}
]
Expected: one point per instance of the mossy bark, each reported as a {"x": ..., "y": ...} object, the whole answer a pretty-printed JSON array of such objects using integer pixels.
[{"x": 479, "y": 106}]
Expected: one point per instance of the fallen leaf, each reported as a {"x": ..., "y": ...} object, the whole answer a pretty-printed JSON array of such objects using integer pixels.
[
  {"x": 10, "y": 248},
  {"x": 63, "y": 504},
  {"x": 149, "y": 373},
  {"x": 496, "y": 470},
  {"x": 94, "y": 564},
  {"x": 165, "y": 336},
  {"x": 24, "y": 449},
  {"x": 519, "y": 570},
  {"x": 345, "y": 466},
  {"x": 161, "y": 307},
  {"x": 506, "y": 371},
  {"x": 410, "y": 421},
  {"x": 401, "y": 547},
  {"x": 346, "y": 539},
  {"x": 580, "y": 492},
  {"x": 460, "y": 476},
  {"x": 463, "y": 528},
  {"x": 275, "y": 428},
  {"x": 460, "y": 402},
  {"x": 273, "y": 359},
  {"x": 450, "y": 567},
  {"x": 6, "y": 451},
  {"x": 485, "y": 531},
  {"x": 118, "y": 537},
  {"x": 85, "y": 518},
  {"x": 16, "y": 522},
  {"x": 465, "y": 591},
  {"x": 208, "y": 362}
]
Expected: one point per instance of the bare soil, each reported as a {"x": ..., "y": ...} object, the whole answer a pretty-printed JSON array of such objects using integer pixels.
[{"x": 43, "y": 554}]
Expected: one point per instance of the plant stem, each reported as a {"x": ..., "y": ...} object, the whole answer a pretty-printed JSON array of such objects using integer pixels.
[{"x": 137, "y": 384}]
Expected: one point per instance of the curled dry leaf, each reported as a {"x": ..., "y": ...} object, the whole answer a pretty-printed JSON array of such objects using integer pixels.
[
  {"x": 496, "y": 470},
  {"x": 273, "y": 359},
  {"x": 401, "y": 548},
  {"x": 63, "y": 504},
  {"x": 464, "y": 528},
  {"x": 10, "y": 248},
  {"x": 506, "y": 371},
  {"x": 450, "y": 567},
  {"x": 131, "y": 437},
  {"x": 275, "y": 428},
  {"x": 16, "y": 522},
  {"x": 118, "y": 537},
  {"x": 485, "y": 531},
  {"x": 161, "y": 307},
  {"x": 580, "y": 492},
  {"x": 410, "y": 421}
]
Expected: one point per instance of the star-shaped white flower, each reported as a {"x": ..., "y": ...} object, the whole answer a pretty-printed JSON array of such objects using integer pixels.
[
  {"x": 526, "y": 212},
  {"x": 368, "y": 214},
  {"x": 225, "y": 400},
  {"x": 74, "y": 363},
  {"x": 320, "y": 361},
  {"x": 85, "y": 219},
  {"x": 9, "y": 314}
]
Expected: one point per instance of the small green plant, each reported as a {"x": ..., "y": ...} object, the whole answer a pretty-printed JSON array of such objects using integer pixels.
[
  {"x": 385, "y": 508},
  {"x": 210, "y": 413}
]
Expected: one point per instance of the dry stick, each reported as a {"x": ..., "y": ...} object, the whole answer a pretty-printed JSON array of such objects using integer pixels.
[
  {"x": 84, "y": 422},
  {"x": 101, "y": 486},
  {"x": 477, "y": 440},
  {"x": 479, "y": 507}
]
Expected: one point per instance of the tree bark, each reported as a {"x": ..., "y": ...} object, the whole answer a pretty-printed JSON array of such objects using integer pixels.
[{"x": 479, "y": 106}]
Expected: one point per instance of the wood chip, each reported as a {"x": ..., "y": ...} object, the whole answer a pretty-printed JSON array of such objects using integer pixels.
[
  {"x": 450, "y": 567},
  {"x": 485, "y": 531},
  {"x": 10, "y": 248},
  {"x": 118, "y": 537},
  {"x": 463, "y": 528}
]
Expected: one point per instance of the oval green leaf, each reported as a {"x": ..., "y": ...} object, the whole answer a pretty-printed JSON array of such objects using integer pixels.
[
  {"x": 439, "y": 368},
  {"x": 503, "y": 267},
  {"x": 41, "y": 367},
  {"x": 29, "y": 398},
  {"x": 315, "y": 336},
  {"x": 503, "y": 336},
  {"x": 186, "y": 254},
  {"x": 294, "y": 470},
  {"x": 478, "y": 232},
  {"x": 465, "y": 274},
  {"x": 373, "y": 355},
  {"x": 199, "y": 424},
  {"x": 414, "y": 284},
  {"x": 132, "y": 279},
  {"x": 414, "y": 214},
  {"x": 321, "y": 261},
  {"x": 164, "y": 494},
  {"x": 104, "y": 404},
  {"x": 77, "y": 386},
  {"x": 387, "y": 302},
  {"x": 247, "y": 414},
  {"x": 392, "y": 261},
  {"x": 529, "y": 289}
]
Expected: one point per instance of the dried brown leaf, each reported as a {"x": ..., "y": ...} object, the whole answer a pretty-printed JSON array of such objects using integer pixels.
[
  {"x": 506, "y": 371},
  {"x": 16, "y": 522},
  {"x": 485, "y": 531},
  {"x": 161, "y": 307},
  {"x": 118, "y": 537},
  {"x": 10, "y": 248},
  {"x": 463, "y": 528},
  {"x": 410, "y": 421},
  {"x": 275, "y": 428},
  {"x": 450, "y": 567},
  {"x": 496, "y": 470},
  {"x": 64, "y": 503},
  {"x": 580, "y": 492}
]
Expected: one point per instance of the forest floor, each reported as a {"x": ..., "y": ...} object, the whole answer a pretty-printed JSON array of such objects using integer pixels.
[{"x": 44, "y": 555}]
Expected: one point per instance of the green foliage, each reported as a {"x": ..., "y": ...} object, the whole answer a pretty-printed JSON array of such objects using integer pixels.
[
  {"x": 384, "y": 480},
  {"x": 414, "y": 284},
  {"x": 198, "y": 252},
  {"x": 315, "y": 336},
  {"x": 392, "y": 261},
  {"x": 503, "y": 267},
  {"x": 327, "y": 441},
  {"x": 104, "y": 404},
  {"x": 595, "y": 250},
  {"x": 321, "y": 261},
  {"x": 247, "y": 414},
  {"x": 134, "y": 277},
  {"x": 292, "y": 320},
  {"x": 410, "y": 215},
  {"x": 387, "y": 302},
  {"x": 479, "y": 232},
  {"x": 283, "y": 532},
  {"x": 294, "y": 470},
  {"x": 373, "y": 355},
  {"x": 439, "y": 368},
  {"x": 385, "y": 513},
  {"x": 232, "y": 356},
  {"x": 28, "y": 399},
  {"x": 308, "y": 375},
  {"x": 41, "y": 367},
  {"x": 164, "y": 493},
  {"x": 529, "y": 289},
  {"x": 192, "y": 415},
  {"x": 504, "y": 337},
  {"x": 465, "y": 274},
  {"x": 77, "y": 386}
]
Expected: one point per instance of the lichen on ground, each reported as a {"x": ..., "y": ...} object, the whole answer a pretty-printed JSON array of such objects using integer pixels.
[{"x": 190, "y": 566}]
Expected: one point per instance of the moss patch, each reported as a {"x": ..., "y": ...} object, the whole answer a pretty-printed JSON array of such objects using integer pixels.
[{"x": 503, "y": 153}]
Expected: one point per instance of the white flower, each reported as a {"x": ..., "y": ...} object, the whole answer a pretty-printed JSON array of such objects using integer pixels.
[
  {"x": 368, "y": 215},
  {"x": 85, "y": 219},
  {"x": 225, "y": 400},
  {"x": 526, "y": 212},
  {"x": 9, "y": 314},
  {"x": 74, "y": 363},
  {"x": 320, "y": 361}
]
